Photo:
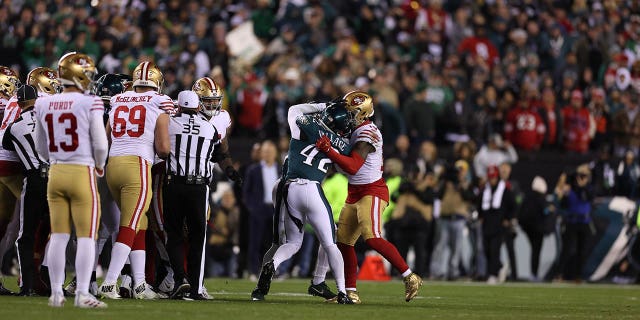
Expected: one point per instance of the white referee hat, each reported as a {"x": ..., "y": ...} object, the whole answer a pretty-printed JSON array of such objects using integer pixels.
[{"x": 188, "y": 99}]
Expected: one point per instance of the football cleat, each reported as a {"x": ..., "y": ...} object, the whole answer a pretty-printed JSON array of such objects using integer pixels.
[
  {"x": 4, "y": 291},
  {"x": 126, "y": 287},
  {"x": 205, "y": 293},
  {"x": 167, "y": 284},
  {"x": 257, "y": 295},
  {"x": 321, "y": 290},
  {"x": 70, "y": 289},
  {"x": 412, "y": 284},
  {"x": 56, "y": 300},
  {"x": 266, "y": 274},
  {"x": 354, "y": 296},
  {"x": 143, "y": 291},
  {"x": 108, "y": 290},
  {"x": 343, "y": 298},
  {"x": 180, "y": 290},
  {"x": 88, "y": 301}
]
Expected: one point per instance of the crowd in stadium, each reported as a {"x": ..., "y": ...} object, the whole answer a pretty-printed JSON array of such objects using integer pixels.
[{"x": 486, "y": 81}]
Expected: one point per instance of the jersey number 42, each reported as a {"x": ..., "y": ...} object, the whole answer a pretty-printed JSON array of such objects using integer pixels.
[{"x": 310, "y": 152}]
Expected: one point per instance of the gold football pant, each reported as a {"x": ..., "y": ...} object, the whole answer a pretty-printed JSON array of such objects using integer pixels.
[
  {"x": 73, "y": 197},
  {"x": 129, "y": 180},
  {"x": 361, "y": 218}
]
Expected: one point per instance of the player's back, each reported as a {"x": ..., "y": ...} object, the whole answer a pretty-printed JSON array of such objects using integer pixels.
[
  {"x": 371, "y": 170},
  {"x": 66, "y": 118},
  {"x": 133, "y": 119},
  {"x": 192, "y": 139},
  {"x": 305, "y": 161}
]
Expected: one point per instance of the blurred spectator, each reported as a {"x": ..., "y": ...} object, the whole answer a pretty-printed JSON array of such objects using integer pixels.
[
  {"x": 478, "y": 49},
  {"x": 222, "y": 248},
  {"x": 493, "y": 153},
  {"x": 511, "y": 232},
  {"x": 197, "y": 56},
  {"x": 551, "y": 116},
  {"x": 626, "y": 125},
  {"x": 457, "y": 118},
  {"x": 411, "y": 217},
  {"x": 600, "y": 112},
  {"x": 251, "y": 102},
  {"x": 628, "y": 176},
  {"x": 535, "y": 220},
  {"x": 428, "y": 160},
  {"x": 603, "y": 173},
  {"x": 420, "y": 116},
  {"x": 578, "y": 124},
  {"x": 524, "y": 127},
  {"x": 496, "y": 209},
  {"x": 575, "y": 197},
  {"x": 260, "y": 178},
  {"x": 455, "y": 196}
]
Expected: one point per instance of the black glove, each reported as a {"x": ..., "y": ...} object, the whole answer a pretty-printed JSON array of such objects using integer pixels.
[
  {"x": 339, "y": 101},
  {"x": 233, "y": 175}
]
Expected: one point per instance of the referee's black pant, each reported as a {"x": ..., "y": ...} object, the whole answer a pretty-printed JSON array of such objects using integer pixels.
[
  {"x": 34, "y": 210},
  {"x": 186, "y": 204}
]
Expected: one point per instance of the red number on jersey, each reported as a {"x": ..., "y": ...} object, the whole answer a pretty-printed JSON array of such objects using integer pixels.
[
  {"x": 137, "y": 117},
  {"x": 70, "y": 129}
]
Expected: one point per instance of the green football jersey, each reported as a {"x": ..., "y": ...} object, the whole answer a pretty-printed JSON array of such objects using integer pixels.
[{"x": 304, "y": 160}]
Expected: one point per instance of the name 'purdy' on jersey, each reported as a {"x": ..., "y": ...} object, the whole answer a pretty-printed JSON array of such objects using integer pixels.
[{"x": 305, "y": 161}]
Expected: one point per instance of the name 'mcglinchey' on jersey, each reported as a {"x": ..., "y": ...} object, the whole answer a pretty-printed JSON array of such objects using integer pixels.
[
  {"x": 192, "y": 141},
  {"x": 305, "y": 161},
  {"x": 65, "y": 121},
  {"x": 371, "y": 170},
  {"x": 133, "y": 119}
]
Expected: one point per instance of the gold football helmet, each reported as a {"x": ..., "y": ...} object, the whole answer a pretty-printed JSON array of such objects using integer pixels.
[
  {"x": 360, "y": 104},
  {"x": 76, "y": 69},
  {"x": 45, "y": 80},
  {"x": 9, "y": 82},
  {"x": 210, "y": 94},
  {"x": 147, "y": 74}
]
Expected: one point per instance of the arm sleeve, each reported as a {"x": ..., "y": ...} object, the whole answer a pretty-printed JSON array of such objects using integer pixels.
[
  {"x": 99, "y": 142},
  {"x": 299, "y": 110}
]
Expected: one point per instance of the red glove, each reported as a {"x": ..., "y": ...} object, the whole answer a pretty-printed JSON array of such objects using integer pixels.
[{"x": 323, "y": 144}]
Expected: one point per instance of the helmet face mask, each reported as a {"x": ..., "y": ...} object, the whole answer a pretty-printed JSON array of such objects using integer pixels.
[
  {"x": 108, "y": 86},
  {"x": 210, "y": 95}
]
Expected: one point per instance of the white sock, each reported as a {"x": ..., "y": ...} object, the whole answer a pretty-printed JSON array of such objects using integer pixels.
[
  {"x": 138, "y": 260},
  {"x": 284, "y": 252},
  {"x": 84, "y": 263},
  {"x": 322, "y": 266},
  {"x": 44, "y": 262},
  {"x": 56, "y": 254},
  {"x": 406, "y": 273},
  {"x": 119, "y": 256},
  {"x": 337, "y": 265}
]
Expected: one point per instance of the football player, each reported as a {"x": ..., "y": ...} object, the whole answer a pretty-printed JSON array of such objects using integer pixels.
[
  {"x": 10, "y": 170},
  {"x": 138, "y": 130},
  {"x": 105, "y": 87},
  {"x": 367, "y": 197},
  {"x": 70, "y": 134},
  {"x": 301, "y": 197}
]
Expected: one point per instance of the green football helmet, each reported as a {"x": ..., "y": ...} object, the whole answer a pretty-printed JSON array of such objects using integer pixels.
[{"x": 338, "y": 119}]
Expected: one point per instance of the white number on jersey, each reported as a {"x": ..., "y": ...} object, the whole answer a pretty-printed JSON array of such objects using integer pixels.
[{"x": 310, "y": 152}]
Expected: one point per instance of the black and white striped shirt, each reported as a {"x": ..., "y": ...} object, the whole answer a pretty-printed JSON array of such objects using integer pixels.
[
  {"x": 192, "y": 143},
  {"x": 19, "y": 137}
]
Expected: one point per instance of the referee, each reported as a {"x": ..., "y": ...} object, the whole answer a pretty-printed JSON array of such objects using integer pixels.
[
  {"x": 186, "y": 192},
  {"x": 34, "y": 209}
]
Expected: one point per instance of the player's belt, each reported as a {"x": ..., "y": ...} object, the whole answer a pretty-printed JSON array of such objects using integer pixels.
[{"x": 190, "y": 179}]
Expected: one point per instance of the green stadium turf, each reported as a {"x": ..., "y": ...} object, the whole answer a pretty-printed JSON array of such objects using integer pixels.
[{"x": 381, "y": 300}]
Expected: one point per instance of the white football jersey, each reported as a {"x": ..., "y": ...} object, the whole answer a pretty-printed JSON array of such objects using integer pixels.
[
  {"x": 133, "y": 119},
  {"x": 65, "y": 120},
  {"x": 371, "y": 170},
  {"x": 222, "y": 122},
  {"x": 11, "y": 113}
]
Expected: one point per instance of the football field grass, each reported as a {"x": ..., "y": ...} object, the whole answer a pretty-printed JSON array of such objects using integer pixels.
[{"x": 381, "y": 300}]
